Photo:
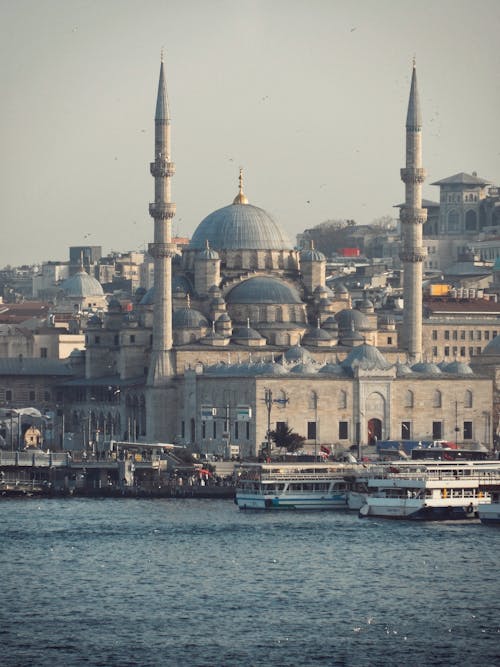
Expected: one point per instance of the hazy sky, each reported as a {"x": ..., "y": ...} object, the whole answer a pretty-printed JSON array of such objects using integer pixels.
[{"x": 308, "y": 96}]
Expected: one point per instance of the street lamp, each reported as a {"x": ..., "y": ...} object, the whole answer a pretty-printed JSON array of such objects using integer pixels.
[{"x": 315, "y": 405}]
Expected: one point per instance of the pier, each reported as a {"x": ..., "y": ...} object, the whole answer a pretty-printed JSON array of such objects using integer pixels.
[{"x": 77, "y": 474}]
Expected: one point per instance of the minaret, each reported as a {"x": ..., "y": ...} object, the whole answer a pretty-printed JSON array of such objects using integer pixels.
[
  {"x": 412, "y": 218},
  {"x": 162, "y": 210}
]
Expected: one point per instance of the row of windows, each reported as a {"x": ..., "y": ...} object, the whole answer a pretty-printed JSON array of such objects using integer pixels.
[
  {"x": 437, "y": 399},
  {"x": 455, "y": 351},
  {"x": 456, "y": 197},
  {"x": 473, "y": 334},
  {"x": 30, "y": 395},
  {"x": 241, "y": 430},
  {"x": 116, "y": 339},
  {"x": 437, "y": 430}
]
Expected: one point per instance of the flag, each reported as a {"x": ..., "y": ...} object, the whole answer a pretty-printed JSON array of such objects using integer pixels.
[{"x": 325, "y": 450}]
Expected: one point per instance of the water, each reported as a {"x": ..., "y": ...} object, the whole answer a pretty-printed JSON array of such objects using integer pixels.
[{"x": 123, "y": 582}]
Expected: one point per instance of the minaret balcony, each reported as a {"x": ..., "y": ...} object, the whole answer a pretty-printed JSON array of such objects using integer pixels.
[
  {"x": 162, "y": 250},
  {"x": 162, "y": 168},
  {"x": 162, "y": 210},
  {"x": 413, "y": 255},
  {"x": 416, "y": 216},
  {"x": 413, "y": 175}
]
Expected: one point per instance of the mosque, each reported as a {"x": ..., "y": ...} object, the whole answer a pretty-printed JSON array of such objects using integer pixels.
[{"x": 241, "y": 332}]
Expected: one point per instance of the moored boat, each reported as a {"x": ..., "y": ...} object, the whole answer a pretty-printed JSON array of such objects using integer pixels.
[
  {"x": 311, "y": 486},
  {"x": 431, "y": 492},
  {"x": 490, "y": 513}
]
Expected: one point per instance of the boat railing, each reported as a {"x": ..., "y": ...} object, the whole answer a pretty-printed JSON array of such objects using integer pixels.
[{"x": 479, "y": 476}]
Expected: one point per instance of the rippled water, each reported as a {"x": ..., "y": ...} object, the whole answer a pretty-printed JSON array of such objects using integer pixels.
[{"x": 122, "y": 582}]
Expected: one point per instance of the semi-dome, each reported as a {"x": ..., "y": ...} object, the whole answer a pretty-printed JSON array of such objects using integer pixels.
[
  {"x": 240, "y": 226},
  {"x": 82, "y": 285},
  {"x": 189, "y": 318},
  {"x": 263, "y": 290}
]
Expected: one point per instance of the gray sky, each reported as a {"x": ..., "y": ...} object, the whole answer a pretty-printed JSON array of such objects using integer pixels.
[{"x": 308, "y": 96}]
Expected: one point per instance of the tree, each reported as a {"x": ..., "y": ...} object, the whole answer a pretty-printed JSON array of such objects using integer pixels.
[{"x": 285, "y": 438}]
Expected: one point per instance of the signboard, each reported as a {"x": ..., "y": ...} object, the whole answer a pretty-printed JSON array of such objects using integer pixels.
[
  {"x": 243, "y": 413},
  {"x": 208, "y": 412}
]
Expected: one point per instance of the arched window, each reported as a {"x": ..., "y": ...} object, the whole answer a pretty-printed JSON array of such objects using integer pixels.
[
  {"x": 313, "y": 400},
  {"x": 436, "y": 400},
  {"x": 453, "y": 221},
  {"x": 342, "y": 399},
  {"x": 470, "y": 221},
  {"x": 468, "y": 398},
  {"x": 409, "y": 399},
  {"x": 279, "y": 314}
]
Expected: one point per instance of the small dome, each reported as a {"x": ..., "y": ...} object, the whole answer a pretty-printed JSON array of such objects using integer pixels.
[
  {"x": 366, "y": 306},
  {"x": 316, "y": 334},
  {"x": 366, "y": 356},
  {"x": 307, "y": 367},
  {"x": 246, "y": 333},
  {"x": 297, "y": 353},
  {"x": 263, "y": 290},
  {"x": 331, "y": 324},
  {"x": 208, "y": 253},
  {"x": 402, "y": 369},
  {"x": 189, "y": 318},
  {"x": 312, "y": 255},
  {"x": 349, "y": 319},
  {"x": 458, "y": 368},
  {"x": 114, "y": 305},
  {"x": 324, "y": 291},
  {"x": 332, "y": 368},
  {"x": 426, "y": 367},
  {"x": 82, "y": 285},
  {"x": 224, "y": 318}
]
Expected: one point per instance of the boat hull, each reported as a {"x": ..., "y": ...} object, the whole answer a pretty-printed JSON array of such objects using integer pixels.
[
  {"x": 490, "y": 514},
  {"x": 290, "y": 502},
  {"x": 415, "y": 511}
]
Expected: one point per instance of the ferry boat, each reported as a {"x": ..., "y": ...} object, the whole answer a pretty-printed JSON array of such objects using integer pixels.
[
  {"x": 432, "y": 492},
  {"x": 311, "y": 486},
  {"x": 490, "y": 513}
]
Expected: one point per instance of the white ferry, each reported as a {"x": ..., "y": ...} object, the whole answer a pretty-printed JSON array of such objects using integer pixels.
[
  {"x": 490, "y": 513},
  {"x": 431, "y": 491},
  {"x": 311, "y": 486}
]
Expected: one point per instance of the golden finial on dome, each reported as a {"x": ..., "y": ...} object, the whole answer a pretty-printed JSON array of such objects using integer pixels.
[{"x": 240, "y": 197}]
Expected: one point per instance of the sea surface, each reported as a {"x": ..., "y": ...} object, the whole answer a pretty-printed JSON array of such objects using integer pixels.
[{"x": 126, "y": 582}]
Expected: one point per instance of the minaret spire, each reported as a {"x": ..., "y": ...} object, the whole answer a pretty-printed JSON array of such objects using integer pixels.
[
  {"x": 162, "y": 210},
  {"x": 412, "y": 218}
]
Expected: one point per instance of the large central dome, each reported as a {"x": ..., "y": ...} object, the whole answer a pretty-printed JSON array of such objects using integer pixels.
[{"x": 240, "y": 226}]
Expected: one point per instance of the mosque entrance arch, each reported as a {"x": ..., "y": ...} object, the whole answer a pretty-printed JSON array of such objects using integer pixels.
[{"x": 374, "y": 431}]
